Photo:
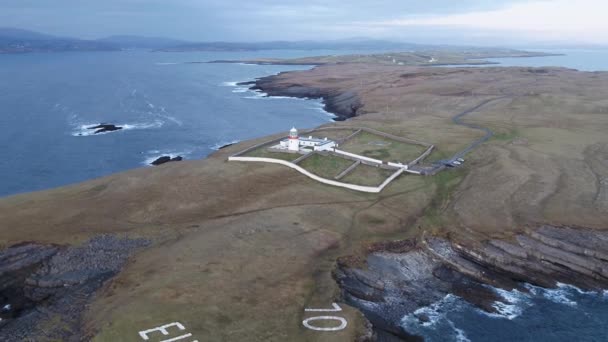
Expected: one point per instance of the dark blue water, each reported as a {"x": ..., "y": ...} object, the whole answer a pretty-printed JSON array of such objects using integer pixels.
[
  {"x": 166, "y": 107},
  {"x": 169, "y": 107},
  {"x": 562, "y": 314}
]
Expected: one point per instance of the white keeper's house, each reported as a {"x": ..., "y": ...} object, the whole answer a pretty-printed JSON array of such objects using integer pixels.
[{"x": 299, "y": 144}]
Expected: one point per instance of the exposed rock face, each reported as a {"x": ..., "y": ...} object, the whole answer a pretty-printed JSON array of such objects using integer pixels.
[
  {"x": 344, "y": 104},
  {"x": 401, "y": 278},
  {"x": 44, "y": 288},
  {"x": 101, "y": 128},
  {"x": 165, "y": 159}
]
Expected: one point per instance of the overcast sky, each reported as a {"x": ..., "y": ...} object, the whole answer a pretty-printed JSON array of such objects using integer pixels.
[{"x": 433, "y": 21}]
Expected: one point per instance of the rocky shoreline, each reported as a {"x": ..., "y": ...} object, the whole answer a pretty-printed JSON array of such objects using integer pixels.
[
  {"x": 44, "y": 289},
  {"x": 343, "y": 104},
  {"x": 398, "y": 278}
]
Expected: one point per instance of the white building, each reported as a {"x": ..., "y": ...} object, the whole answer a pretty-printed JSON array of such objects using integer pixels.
[{"x": 296, "y": 143}]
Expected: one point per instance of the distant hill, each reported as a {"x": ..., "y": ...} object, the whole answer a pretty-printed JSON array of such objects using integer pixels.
[
  {"x": 138, "y": 42},
  {"x": 14, "y": 40},
  {"x": 14, "y": 33}
]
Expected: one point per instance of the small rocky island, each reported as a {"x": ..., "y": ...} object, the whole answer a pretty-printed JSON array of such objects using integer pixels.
[
  {"x": 102, "y": 128},
  {"x": 166, "y": 159}
]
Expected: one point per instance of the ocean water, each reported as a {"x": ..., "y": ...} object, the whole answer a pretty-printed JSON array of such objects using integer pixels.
[
  {"x": 171, "y": 107},
  {"x": 581, "y": 59},
  {"x": 165, "y": 106},
  {"x": 562, "y": 314}
]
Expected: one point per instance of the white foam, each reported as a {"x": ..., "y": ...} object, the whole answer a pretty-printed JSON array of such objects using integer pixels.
[
  {"x": 512, "y": 306},
  {"x": 435, "y": 312},
  {"x": 229, "y": 84},
  {"x": 257, "y": 95},
  {"x": 558, "y": 295},
  {"x": 460, "y": 334},
  {"x": 240, "y": 90},
  {"x": 574, "y": 288}
]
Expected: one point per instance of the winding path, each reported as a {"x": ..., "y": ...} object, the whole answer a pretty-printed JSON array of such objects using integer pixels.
[{"x": 457, "y": 119}]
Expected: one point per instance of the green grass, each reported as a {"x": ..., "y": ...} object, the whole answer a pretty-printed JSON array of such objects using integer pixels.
[
  {"x": 367, "y": 175},
  {"x": 378, "y": 147},
  {"x": 332, "y": 134},
  {"x": 325, "y": 166},
  {"x": 263, "y": 152},
  {"x": 445, "y": 183},
  {"x": 506, "y": 136}
]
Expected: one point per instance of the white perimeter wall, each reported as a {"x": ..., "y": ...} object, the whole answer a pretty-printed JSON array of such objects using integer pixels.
[
  {"x": 321, "y": 179},
  {"x": 377, "y": 161}
]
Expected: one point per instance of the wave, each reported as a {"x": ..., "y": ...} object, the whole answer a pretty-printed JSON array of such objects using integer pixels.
[
  {"x": 240, "y": 90},
  {"x": 559, "y": 295},
  {"x": 237, "y": 88},
  {"x": 229, "y": 84},
  {"x": 434, "y": 312},
  {"x": 435, "y": 315},
  {"x": 460, "y": 334},
  {"x": 512, "y": 306}
]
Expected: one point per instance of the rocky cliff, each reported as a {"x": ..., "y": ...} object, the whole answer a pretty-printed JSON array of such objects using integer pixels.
[
  {"x": 44, "y": 289},
  {"x": 344, "y": 104},
  {"x": 398, "y": 278}
]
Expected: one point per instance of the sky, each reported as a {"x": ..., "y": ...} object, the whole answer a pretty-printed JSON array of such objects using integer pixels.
[{"x": 489, "y": 22}]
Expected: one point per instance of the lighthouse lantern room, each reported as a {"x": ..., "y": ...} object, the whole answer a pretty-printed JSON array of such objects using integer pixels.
[{"x": 294, "y": 140}]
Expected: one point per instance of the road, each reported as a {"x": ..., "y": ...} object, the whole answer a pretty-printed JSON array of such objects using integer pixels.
[{"x": 457, "y": 119}]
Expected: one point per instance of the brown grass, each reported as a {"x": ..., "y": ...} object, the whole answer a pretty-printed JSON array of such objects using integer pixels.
[{"x": 242, "y": 248}]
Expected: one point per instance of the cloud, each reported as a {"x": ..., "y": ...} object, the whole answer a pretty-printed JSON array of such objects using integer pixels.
[
  {"x": 432, "y": 21},
  {"x": 555, "y": 20}
]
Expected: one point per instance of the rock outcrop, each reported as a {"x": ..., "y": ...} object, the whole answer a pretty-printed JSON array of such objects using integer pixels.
[
  {"x": 44, "y": 288},
  {"x": 344, "y": 104},
  {"x": 165, "y": 159},
  {"x": 405, "y": 276},
  {"x": 102, "y": 128}
]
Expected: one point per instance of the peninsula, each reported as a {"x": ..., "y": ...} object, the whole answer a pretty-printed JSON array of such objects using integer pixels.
[
  {"x": 228, "y": 251},
  {"x": 431, "y": 56}
]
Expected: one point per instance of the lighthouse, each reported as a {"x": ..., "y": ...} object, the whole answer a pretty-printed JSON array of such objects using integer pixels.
[{"x": 294, "y": 140}]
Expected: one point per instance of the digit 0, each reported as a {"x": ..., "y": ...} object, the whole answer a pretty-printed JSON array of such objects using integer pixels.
[{"x": 342, "y": 321}]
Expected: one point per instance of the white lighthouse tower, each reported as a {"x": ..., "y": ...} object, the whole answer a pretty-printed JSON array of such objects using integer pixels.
[{"x": 294, "y": 140}]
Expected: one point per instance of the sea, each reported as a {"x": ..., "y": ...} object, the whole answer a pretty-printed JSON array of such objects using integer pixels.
[{"x": 175, "y": 104}]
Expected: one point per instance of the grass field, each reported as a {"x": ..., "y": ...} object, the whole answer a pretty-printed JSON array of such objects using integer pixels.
[
  {"x": 325, "y": 166},
  {"x": 378, "y": 147},
  {"x": 263, "y": 152},
  {"x": 367, "y": 175},
  {"x": 240, "y": 252},
  {"x": 332, "y": 134}
]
